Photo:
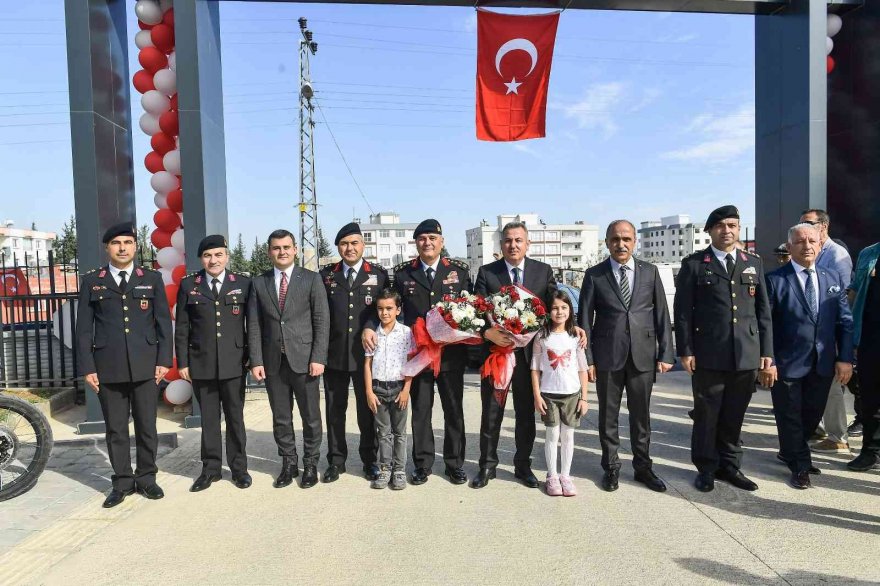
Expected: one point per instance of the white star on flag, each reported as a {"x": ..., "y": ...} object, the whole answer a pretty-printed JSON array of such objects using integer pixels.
[{"x": 512, "y": 86}]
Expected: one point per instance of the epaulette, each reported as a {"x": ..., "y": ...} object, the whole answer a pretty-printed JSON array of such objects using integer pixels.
[
  {"x": 402, "y": 265},
  {"x": 191, "y": 275},
  {"x": 328, "y": 267},
  {"x": 460, "y": 263},
  {"x": 755, "y": 254},
  {"x": 92, "y": 271}
]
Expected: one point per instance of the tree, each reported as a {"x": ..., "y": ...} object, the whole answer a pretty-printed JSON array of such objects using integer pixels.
[
  {"x": 238, "y": 262},
  {"x": 64, "y": 247},
  {"x": 324, "y": 249},
  {"x": 260, "y": 261},
  {"x": 444, "y": 253},
  {"x": 145, "y": 245}
]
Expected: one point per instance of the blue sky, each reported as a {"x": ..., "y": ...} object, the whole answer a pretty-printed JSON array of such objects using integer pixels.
[{"x": 649, "y": 114}]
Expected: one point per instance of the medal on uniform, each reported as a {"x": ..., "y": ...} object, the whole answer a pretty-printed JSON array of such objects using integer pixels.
[
  {"x": 145, "y": 304},
  {"x": 752, "y": 290},
  {"x": 368, "y": 300}
]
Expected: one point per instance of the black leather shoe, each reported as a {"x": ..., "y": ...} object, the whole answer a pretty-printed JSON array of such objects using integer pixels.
[
  {"x": 609, "y": 480},
  {"x": 705, "y": 482},
  {"x": 483, "y": 477},
  {"x": 420, "y": 476},
  {"x": 116, "y": 497},
  {"x": 864, "y": 462},
  {"x": 152, "y": 492},
  {"x": 737, "y": 479},
  {"x": 800, "y": 480},
  {"x": 289, "y": 471},
  {"x": 814, "y": 470},
  {"x": 456, "y": 475},
  {"x": 242, "y": 480},
  {"x": 333, "y": 472},
  {"x": 371, "y": 472},
  {"x": 649, "y": 479},
  {"x": 854, "y": 429},
  {"x": 204, "y": 481},
  {"x": 527, "y": 476},
  {"x": 310, "y": 476}
]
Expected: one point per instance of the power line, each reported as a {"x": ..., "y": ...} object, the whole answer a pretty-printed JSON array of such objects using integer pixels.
[
  {"x": 33, "y": 124},
  {"x": 32, "y": 142},
  {"x": 336, "y": 143}
]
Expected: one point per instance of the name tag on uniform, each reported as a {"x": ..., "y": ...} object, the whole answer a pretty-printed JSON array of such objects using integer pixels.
[
  {"x": 143, "y": 287},
  {"x": 372, "y": 280},
  {"x": 750, "y": 271}
]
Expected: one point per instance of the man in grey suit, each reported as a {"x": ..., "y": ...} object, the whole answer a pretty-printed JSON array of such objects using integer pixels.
[
  {"x": 623, "y": 309},
  {"x": 288, "y": 334}
]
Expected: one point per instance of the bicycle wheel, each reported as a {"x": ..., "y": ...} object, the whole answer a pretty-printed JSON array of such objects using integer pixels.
[{"x": 25, "y": 445}]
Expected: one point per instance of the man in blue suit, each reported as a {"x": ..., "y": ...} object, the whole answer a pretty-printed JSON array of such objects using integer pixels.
[{"x": 812, "y": 343}]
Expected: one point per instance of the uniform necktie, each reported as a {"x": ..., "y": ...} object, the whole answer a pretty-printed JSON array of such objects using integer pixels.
[
  {"x": 123, "y": 282},
  {"x": 282, "y": 291},
  {"x": 624, "y": 286},
  {"x": 516, "y": 275},
  {"x": 351, "y": 275},
  {"x": 729, "y": 263},
  {"x": 430, "y": 273},
  {"x": 810, "y": 292},
  {"x": 215, "y": 287}
]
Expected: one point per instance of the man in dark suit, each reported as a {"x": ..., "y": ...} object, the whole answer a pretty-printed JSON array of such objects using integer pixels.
[
  {"x": 813, "y": 344},
  {"x": 623, "y": 309},
  {"x": 422, "y": 282},
  {"x": 536, "y": 277},
  {"x": 352, "y": 286},
  {"x": 124, "y": 348},
  {"x": 288, "y": 332},
  {"x": 723, "y": 336},
  {"x": 210, "y": 339}
]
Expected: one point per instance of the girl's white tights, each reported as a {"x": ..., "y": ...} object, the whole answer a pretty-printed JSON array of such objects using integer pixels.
[{"x": 554, "y": 434}]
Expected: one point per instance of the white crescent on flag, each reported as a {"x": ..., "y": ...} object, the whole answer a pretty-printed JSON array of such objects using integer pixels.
[{"x": 516, "y": 45}]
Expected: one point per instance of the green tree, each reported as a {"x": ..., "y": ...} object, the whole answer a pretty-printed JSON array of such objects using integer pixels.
[
  {"x": 238, "y": 262},
  {"x": 444, "y": 253},
  {"x": 145, "y": 245},
  {"x": 64, "y": 247},
  {"x": 324, "y": 249},
  {"x": 260, "y": 261}
]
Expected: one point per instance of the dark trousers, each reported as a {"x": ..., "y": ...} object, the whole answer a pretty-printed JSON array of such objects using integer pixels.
[
  {"x": 228, "y": 394},
  {"x": 721, "y": 398},
  {"x": 450, "y": 387},
  {"x": 609, "y": 388},
  {"x": 282, "y": 388},
  {"x": 869, "y": 388},
  {"x": 336, "y": 405},
  {"x": 798, "y": 405},
  {"x": 118, "y": 401},
  {"x": 493, "y": 415}
]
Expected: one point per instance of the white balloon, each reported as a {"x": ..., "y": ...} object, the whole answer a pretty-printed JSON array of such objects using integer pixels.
[
  {"x": 177, "y": 240},
  {"x": 155, "y": 102},
  {"x": 169, "y": 257},
  {"x": 834, "y": 24},
  {"x": 178, "y": 392},
  {"x": 142, "y": 40},
  {"x": 165, "y": 81},
  {"x": 160, "y": 199},
  {"x": 164, "y": 182},
  {"x": 148, "y": 11},
  {"x": 166, "y": 276},
  {"x": 171, "y": 162},
  {"x": 166, "y": 4},
  {"x": 149, "y": 123},
  {"x": 172, "y": 61},
  {"x": 829, "y": 45}
]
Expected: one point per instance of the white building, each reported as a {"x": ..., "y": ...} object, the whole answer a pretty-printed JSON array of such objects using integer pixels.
[
  {"x": 20, "y": 247},
  {"x": 387, "y": 241},
  {"x": 561, "y": 246},
  {"x": 674, "y": 237}
]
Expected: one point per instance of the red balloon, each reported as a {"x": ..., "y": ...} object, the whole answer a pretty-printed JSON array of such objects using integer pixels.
[
  {"x": 168, "y": 18},
  {"x": 143, "y": 81},
  {"x": 175, "y": 201},
  {"x": 144, "y": 26},
  {"x": 174, "y": 102},
  {"x": 156, "y": 265},
  {"x": 171, "y": 296},
  {"x": 153, "y": 162},
  {"x": 178, "y": 273},
  {"x": 152, "y": 59},
  {"x": 162, "y": 143},
  {"x": 169, "y": 122},
  {"x": 166, "y": 220},
  {"x": 160, "y": 239},
  {"x": 830, "y": 63},
  {"x": 162, "y": 36}
]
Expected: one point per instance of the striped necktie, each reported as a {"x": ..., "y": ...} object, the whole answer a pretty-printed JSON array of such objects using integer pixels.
[
  {"x": 624, "y": 286},
  {"x": 282, "y": 291}
]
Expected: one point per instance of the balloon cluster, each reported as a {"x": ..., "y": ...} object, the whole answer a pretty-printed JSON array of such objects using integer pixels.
[
  {"x": 157, "y": 82},
  {"x": 835, "y": 23}
]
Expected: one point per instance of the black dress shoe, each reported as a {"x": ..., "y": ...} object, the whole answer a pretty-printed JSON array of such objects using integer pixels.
[
  {"x": 864, "y": 462},
  {"x": 705, "y": 482},
  {"x": 814, "y": 470},
  {"x": 737, "y": 479},
  {"x": 371, "y": 472},
  {"x": 116, "y": 497},
  {"x": 527, "y": 476},
  {"x": 289, "y": 471},
  {"x": 609, "y": 480},
  {"x": 333, "y": 472},
  {"x": 420, "y": 476},
  {"x": 800, "y": 480},
  {"x": 483, "y": 477},
  {"x": 310, "y": 476},
  {"x": 649, "y": 479},
  {"x": 204, "y": 481},
  {"x": 152, "y": 492},
  {"x": 456, "y": 475},
  {"x": 242, "y": 480},
  {"x": 855, "y": 429}
]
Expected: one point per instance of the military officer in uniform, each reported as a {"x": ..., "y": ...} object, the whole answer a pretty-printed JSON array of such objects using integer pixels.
[
  {"x": 210, "y": 339},
  {"x": 352, "y": 286},
  {"x": 724, "y": 337},
  {"x": 421, "y": 283},
  {"x": 124, "y": 348}
]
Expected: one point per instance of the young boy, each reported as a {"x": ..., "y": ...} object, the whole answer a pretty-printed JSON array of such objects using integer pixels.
[{"x": 388, "y": 389}]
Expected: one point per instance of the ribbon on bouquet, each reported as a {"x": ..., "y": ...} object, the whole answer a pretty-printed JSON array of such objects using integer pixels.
[
  {"x": 428, "y": 352},
  {"x": 499, "y": 367}
]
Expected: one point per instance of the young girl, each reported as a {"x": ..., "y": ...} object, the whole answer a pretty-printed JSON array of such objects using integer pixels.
[{"x": 559, "y": 383}]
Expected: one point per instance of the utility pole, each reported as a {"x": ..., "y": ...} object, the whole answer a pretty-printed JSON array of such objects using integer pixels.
[{"x": 308, "y": 199}]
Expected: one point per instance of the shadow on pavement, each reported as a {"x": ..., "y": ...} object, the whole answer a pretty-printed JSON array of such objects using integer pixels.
[{"x": 734, "y": 575}]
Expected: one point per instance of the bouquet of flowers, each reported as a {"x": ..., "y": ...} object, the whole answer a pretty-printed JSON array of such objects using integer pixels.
[
  {"x": 454, "y": 320},
  {"x": 521, "y": 314}
]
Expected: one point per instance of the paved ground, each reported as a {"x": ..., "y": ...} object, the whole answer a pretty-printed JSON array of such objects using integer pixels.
[{"x": 345, "y": 533}]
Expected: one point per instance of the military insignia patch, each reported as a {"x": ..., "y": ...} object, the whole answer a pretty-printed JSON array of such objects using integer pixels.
[
  {"x": 236, "y": 309},
  {"x": 145, "y": 304},
  {"x": 368, "y": 300},
  {"x": 752, "y": 290}
]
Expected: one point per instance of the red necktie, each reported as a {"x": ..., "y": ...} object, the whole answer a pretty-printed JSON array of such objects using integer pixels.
[{"x": 282, "y": 291}]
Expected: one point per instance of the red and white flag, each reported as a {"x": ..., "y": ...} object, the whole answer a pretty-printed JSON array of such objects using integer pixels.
[{"x": 514, "y": 54}]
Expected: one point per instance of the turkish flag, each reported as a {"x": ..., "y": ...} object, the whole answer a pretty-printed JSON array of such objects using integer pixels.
[{"x": 514, "y": 53}]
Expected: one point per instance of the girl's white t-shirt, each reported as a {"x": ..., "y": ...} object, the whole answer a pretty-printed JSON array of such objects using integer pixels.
[{"x": 559, "y": 360}]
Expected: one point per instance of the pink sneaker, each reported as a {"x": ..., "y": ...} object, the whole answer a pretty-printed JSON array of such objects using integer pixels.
[
  {"x": 552, "y": 486},
  {"x": 568, "y": 487}
]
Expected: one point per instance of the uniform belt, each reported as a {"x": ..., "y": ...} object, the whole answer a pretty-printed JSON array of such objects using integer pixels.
[{"x": 388, "y": 385}]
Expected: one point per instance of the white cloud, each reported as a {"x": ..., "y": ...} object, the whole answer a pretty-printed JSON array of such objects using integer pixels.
[
  {"x": 595, "y": 109},
  {"x": 723, "y": 138},
  {"x": 649, "y": 96},
  {"x": 470, "y": 23},
  {"x": 525, "y": 148}
]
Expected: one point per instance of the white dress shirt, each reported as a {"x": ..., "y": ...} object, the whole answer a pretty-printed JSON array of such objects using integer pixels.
[
  {"x": 801, "y": 274},
  {"x": 219, "y": 278},
  {"x": 722, "y": 256},
  {"x": 434, "y": 266},
  {"x": 631, "y": 271},
  {"x": 522, "y": 270},
  {"x": 356, "y": 268},
  {"x": 288, "y": 271},
  {"x": 391, "y": 353},
  {"x": 114, "y": 272}
]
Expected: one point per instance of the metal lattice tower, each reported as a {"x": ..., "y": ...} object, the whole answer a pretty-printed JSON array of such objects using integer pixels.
[{"x": 308, "y": 199}]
